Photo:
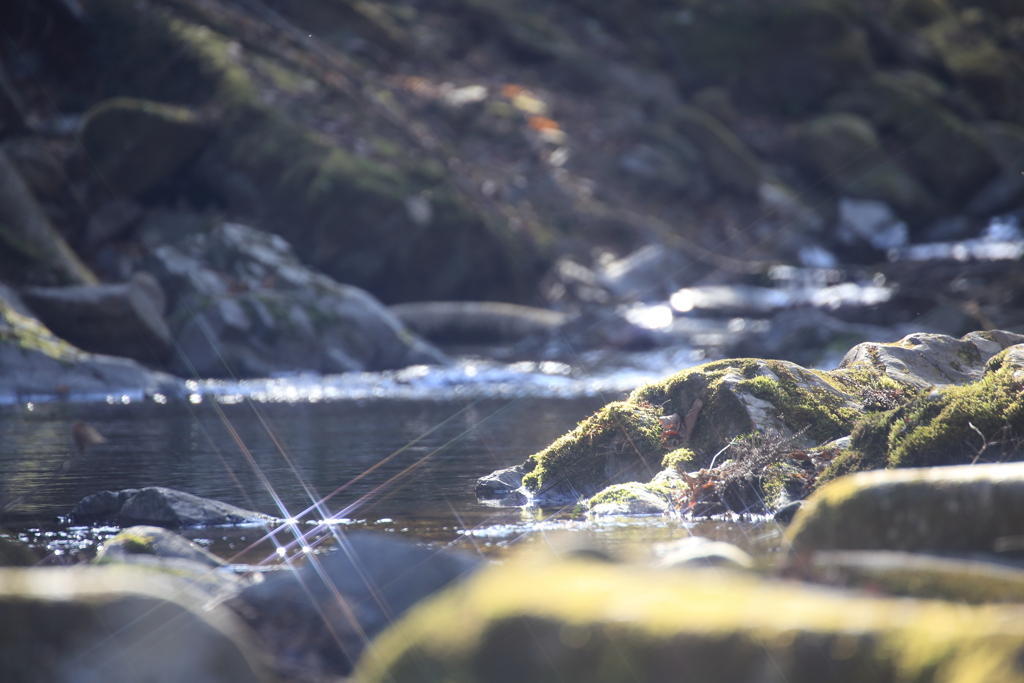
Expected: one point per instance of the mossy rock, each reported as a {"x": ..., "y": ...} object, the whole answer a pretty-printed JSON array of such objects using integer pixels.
[
  {"x": 155, "y": 542},
  {"x": 948, "y": 425},
  {"x": 945, "y": 153},
  {"x": 137, "y": 143},
  {"x": 730, "y": 161},
  {"x": 576, "y": 621},
  {"x": 844, "y": 150},
  {"x": 909, "y": 403},
  {"x": 620, "y": 443},
  {"x": 970, "y": 508},
  {"x": 633, "y": 498},
  {"x": 786, "y": 57}
]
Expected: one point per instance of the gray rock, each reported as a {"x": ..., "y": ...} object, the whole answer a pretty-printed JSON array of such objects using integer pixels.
[
  {"x": 924, "y": 361},
  {"x": 358, "y": 590},
  {"x": 118, "y": 625},
  {"x": 160, "y": 506},
  {"x": 37, "y": 165},
  {"x": 245, "y": 306},
  {"x": 867, "y": 220},
  {"x": 649, "y": 274},
  {"x": 501, "y": 483},
  {"x": 36, "y": 364},
  {"x": 123, "y": 319},
  {"x": 1002, "y": 193}
]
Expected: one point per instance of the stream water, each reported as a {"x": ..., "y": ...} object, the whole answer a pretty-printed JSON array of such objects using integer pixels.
[{"x": 370, "y": 448}]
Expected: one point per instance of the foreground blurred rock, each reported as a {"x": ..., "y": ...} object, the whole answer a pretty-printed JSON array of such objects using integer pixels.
[
  {"x": 589, "y": 621},
  {"x": 117, "y": 624},
  {"x": 318, "y": 620}
]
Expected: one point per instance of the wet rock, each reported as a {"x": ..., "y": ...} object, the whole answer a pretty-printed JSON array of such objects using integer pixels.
[
  {"x": 37, "y": 364},
  {"x": 25, "y": 228},
  {"x": 57, "y": 624},
  {"x": 500, "y": 484},
  {"x": 845, "y": 151},
  {"x": 974, "y": 508},
  {"x": 124, "y": 319},
  {"x": 930, "y": 133},
  {"x": 578, "y": 620},
  {"x": 916, "y": 575},
  {"x": 111, "y": 219},
  {"x": 476, "y": 322},
  {"x": 245, "y": 306},
  {"x": 1005, "y": 141},
  {"x": 153, "y": 541},
  {"x": 161, "y": 551},
  {"x": 164, "y": 507},
  {"x": 358, "y": 590},
  {"x": 137, "y": 143},
  {"x": 730, "y": 161},
  {"x": 695, "y": 552},
  {"x": 627, "y": 499},
  {"x": 1002, "y": 193}
]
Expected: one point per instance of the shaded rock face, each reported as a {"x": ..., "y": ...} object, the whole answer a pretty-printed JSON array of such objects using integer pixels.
[
  {"x": 160, "y": 506},
  {"x": 124, "y": 319},
  {"x": 136, "y": 143},
  {"x": 589, "y": 621},
  {"x": 317, "y": 621},
  {"x": 36, "y": 363},
  {"x": 118, "y": 625},
  {"x": 243, "y": 305}
]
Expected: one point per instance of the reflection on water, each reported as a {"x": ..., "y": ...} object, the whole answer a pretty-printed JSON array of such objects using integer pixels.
[{"x": 399, "y": 467}]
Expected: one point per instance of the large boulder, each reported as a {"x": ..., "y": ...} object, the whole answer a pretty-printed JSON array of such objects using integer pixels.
[
  {"x": 35, "y": 363},
  {"x": 116, "y": 625},
  {"x": 317, "y": 620},
  {"x": 596, "y": 621},
  {"x": 135, "y": 144},
  {"x": 245, "y": 306},
  {"x": 161, "y": 506}
]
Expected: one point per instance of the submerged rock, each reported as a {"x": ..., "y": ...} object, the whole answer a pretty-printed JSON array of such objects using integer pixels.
[
  {"x": 318, "y": 620},
  {"x": 597, "y": 621},
  {"x": 118, "y": 625},
  {"x": 160, "y": 506},
  {"x": 152, "y": 541}
]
